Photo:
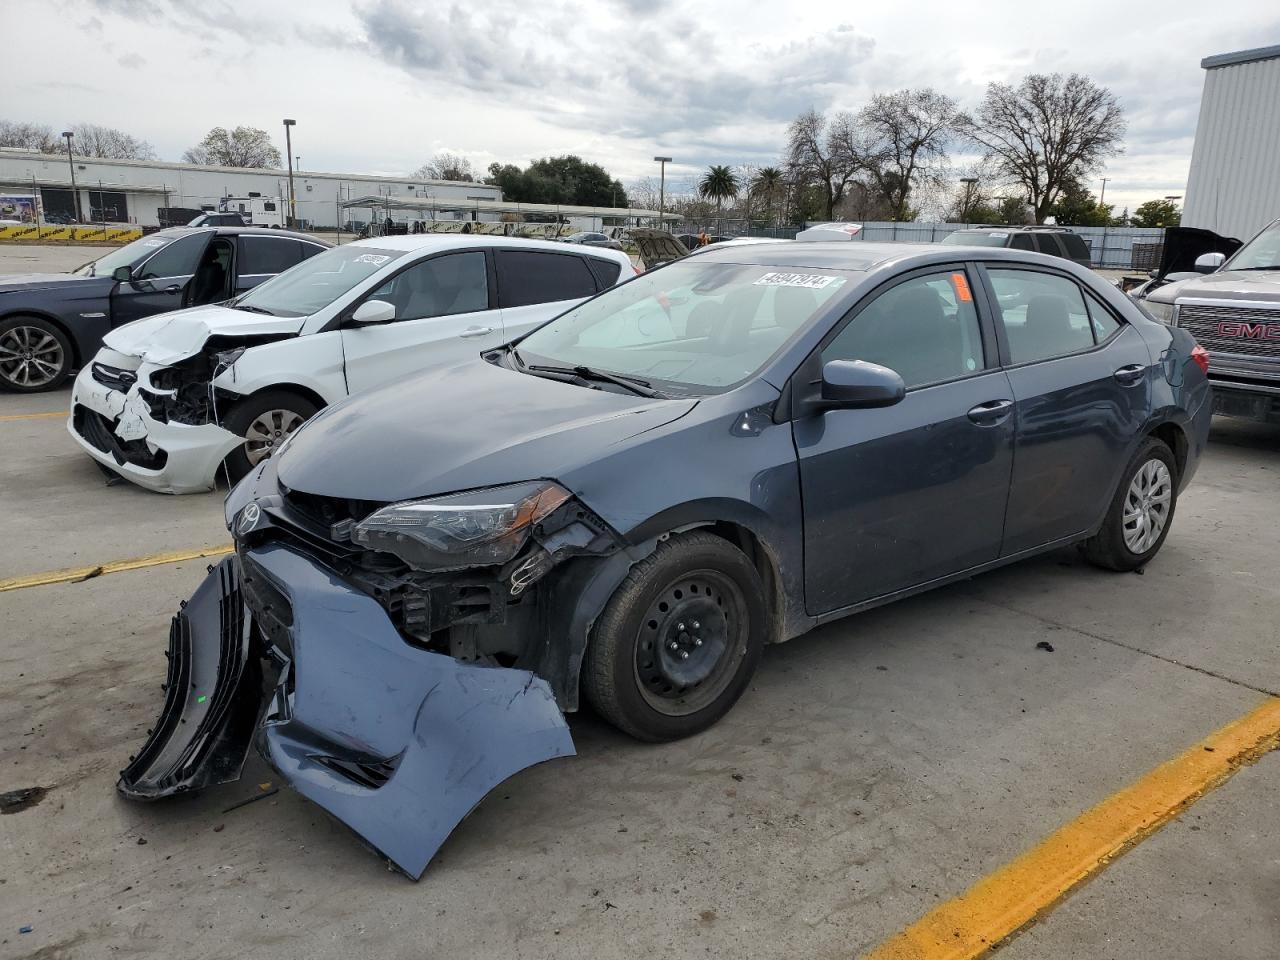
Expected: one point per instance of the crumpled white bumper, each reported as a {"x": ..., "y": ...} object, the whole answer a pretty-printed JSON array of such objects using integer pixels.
[{"x": 194, "y": 452}]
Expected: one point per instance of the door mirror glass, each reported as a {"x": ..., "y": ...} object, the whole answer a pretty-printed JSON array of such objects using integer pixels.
[
  {"x": 857, "y": 384},
  {"x": 374, "y": 311},
  {"x": 1209, "y": 262},
  {"x": 122, "y": 274}
]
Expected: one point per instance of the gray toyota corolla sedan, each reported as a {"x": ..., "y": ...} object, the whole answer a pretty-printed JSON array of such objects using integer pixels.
[{"x": 629, "y": 502}]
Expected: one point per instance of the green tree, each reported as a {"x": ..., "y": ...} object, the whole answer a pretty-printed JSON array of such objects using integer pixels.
[
  {"x": 1157, "y": 213},
  {"x": 1077, "y": 207},
  {"x": 241, "y": 147},
  {"x": 568, "y": 179},
  {"x": 719, "y": 183}
]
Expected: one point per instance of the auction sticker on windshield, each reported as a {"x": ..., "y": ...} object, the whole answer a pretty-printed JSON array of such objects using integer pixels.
[
  {"x": 373, "y": 258},
  {"x": 811, "y": 281}
]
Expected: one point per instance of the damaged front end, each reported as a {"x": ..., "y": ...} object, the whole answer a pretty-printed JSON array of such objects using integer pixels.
[{"x": 380, "y": 674}]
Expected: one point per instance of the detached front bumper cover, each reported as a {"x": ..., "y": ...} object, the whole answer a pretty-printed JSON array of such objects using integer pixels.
[{"x": 396, "y": 742}]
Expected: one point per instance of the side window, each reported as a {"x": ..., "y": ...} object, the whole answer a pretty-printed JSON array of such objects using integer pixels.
[
  {"x": 925, "y": 328},
  {"x": 1103, "y": 323},
  {"x": 525, "y": 278},
  {"x": 270, "y": 255},
  {"x": 1047, "y": 243},
  {"x": 1077, "y": 249},
  {"x": 178, "y": 259},
  {"x": 1043, "y": 314},
  {"x": 309, "y": 249},
  {"x": 606, "y": 271},
  {"x": 439, "y": 287},
  {"x": 1021, "y": 241}
]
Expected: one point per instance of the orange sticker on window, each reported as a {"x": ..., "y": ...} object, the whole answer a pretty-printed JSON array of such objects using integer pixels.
[{"x": 961, "y": 284}]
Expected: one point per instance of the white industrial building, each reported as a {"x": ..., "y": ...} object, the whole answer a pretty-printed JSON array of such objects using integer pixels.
[
  {"x": 132, "y": 191},
  {"x": 1234, "y": 185}
]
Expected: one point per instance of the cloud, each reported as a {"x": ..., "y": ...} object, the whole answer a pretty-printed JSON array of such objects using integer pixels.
[{"x": 131, "y": 60}]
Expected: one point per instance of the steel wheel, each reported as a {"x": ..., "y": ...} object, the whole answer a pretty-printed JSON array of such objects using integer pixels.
[
  {"x": 1147, "y": 505},
  {"x": 267, "y": 431},
  {"x": 30, "y": 357},
  {"x": 691, "y": 640}
]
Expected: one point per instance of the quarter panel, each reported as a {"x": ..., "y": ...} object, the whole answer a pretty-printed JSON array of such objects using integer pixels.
[{"x": 313, "y": 361}]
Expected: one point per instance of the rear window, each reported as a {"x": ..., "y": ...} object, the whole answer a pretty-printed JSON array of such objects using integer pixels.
[
  {"x": 1021, "y": 241},
  {"x": 1077, "y": 249},
  {"x": 525, "y": 278},
  {"x": 1048, "y": 243},
  {"x": 606, "y": 271}
]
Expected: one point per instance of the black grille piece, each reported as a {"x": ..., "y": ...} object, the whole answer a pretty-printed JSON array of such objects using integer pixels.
[
  {"x": 1244, "y": 331},
  {"x": 113, "y": 377},
  {"x": 367, "y": 773},
  {"x": 100, "y": 434}
]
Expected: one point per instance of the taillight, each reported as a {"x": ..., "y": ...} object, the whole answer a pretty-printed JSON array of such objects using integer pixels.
[
  {"x": 1201, "y": 356},
  {"x": 636, "y": 269}
]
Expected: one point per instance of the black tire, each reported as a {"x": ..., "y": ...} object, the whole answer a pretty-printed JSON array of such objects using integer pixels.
[
  {"x": 1109, "y": 548},
  {"x": 35, "y": 355},
  {"x": 242, "y": 416},
  {"x": 712, "y": 607}
]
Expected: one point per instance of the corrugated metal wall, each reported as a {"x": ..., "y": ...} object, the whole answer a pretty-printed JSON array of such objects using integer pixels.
[{"x": 1234, "y": 186}]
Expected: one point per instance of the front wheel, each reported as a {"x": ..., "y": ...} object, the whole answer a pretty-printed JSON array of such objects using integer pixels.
[
  {"x": 265, "y": 420},
  {"x": 35, "y": 355},
  {"x": 1141, "y": 512},
  {"x": 679, "y": 640}
]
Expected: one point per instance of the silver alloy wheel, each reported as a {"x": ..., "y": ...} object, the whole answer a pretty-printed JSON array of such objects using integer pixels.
[
  {"x": 267, "y": 431},
  {"x": 1146, "y": 506},
  {"x": 30, "y": 357}
]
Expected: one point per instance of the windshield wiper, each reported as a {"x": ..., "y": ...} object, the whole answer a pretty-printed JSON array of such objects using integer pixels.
[
  {"x": 250, "y": 308},
  {"x": 633, "y": 384},
  {"x": 1273, "y": 266}
]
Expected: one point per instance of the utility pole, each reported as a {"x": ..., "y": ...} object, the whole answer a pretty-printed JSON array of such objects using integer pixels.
[
  {"x": 662, "y": 187},
  {"x": 288, "y": 151},
  {"x": 75, "y": 194},
  {"x": 969, "y": 183},
  {"x": 1103, "y": 195}
]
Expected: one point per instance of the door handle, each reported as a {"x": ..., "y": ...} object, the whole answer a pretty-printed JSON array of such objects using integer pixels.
[
  {"x": 173, "y": 288},
  {"x": 1131, "y": 374},
  {"x": 476, "y": 331},
  {"x": 990, "y": 413}
]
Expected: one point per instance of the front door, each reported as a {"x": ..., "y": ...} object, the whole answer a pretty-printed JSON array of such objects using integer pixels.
[
  {"x": 160, "y": 283},
  {"x": 443, "y": 314},
  {"x": 903, "y": 495},
  {"x": 1081, "y": 379}
]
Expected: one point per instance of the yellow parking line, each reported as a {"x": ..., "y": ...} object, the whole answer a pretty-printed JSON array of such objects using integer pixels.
[
  {"x": 34, "y": 416},
  {"x": 1002, "y": 903},
  {"x": 76, "y": 574}
]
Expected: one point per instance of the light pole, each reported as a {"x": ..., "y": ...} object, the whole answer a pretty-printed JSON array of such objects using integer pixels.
[
  {"x": 1103, "y": 195},
  {"x": 969, "y": 183},
  {"x": 288, "y": 151},
  {"x": 71, "y": 163},
  {"x": 662, "y": 186}
]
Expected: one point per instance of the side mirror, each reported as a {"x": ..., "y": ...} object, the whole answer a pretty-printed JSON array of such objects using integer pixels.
[
  {"x": 857, "y": 385},
  {"x": 122, "y": 274},
  {"x": 1209, "y": 262},
  {"x": 374, "y": 311}
]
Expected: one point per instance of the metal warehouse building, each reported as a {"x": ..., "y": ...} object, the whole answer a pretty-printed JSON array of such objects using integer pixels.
[
  {"x": 1234, "y": 186},
  {"x": 132, "y": 191}
]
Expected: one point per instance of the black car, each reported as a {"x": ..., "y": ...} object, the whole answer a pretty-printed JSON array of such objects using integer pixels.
[
  {"x": 51, "y": 324},
  {"x": 632, "y": 500},
  {"x": 1054, "y": 241},
  {"x": 213, "y": 218}
]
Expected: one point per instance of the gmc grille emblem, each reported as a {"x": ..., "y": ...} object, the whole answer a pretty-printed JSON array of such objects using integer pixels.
[{"x": 1249, "y": 331}]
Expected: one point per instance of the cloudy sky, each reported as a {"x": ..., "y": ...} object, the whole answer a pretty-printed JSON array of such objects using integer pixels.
[{"x": 379, "y": 86}]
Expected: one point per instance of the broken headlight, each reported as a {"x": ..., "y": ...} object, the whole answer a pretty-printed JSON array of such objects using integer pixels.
[{"x": 474, "y": 529}]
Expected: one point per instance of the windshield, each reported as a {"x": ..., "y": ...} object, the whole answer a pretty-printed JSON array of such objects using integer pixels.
[
  {"x": 1260, "y": 253},
  {"x": 127, "y": 256},
  {"x": 977, "y": 238},
  {"x": 316, "y": 282},
  {"x": 691, "y": 327}
]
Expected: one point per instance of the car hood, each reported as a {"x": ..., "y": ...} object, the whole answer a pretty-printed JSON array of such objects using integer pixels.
[
  {"x": 1224, "y": 285},
  {"x": 169, "y": 337},
  {"x": 1182, "y": 245},
  {"x": 460, "y": 427},
  {"x": 40, "y": 281}
]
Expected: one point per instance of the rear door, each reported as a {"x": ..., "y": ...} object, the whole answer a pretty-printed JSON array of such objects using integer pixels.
[
  {"x": 444, "y": 313},
  {"x": 1081, "y": 380},
  {"x": 534, "y": 286},
  {"x": 902, "y": 495},
  {"x": 160, "y": 283}
]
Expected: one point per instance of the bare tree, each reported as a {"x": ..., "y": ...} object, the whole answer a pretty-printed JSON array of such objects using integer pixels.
[
  {"x": 825, "y": 154},
  {"x": 241, "y": 147},
  {"x": 1047, "y": 131},
  {"x": 644, "y": 193},
  {"x": 108, "y": 143},
  {"x": 28, "y": 136},
  {"x": 446, "y": 166},
  {"x": 906, "y": 134}
]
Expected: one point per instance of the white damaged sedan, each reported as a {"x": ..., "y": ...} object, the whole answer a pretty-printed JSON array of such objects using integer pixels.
[{"x": 171, "y": 400}]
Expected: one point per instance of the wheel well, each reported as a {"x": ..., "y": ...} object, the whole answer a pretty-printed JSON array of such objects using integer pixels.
[
  {"x": 305, "y": 392},
  {"x": 746, "y": 541},
  {"x": 76, "y": 360},
  {"x": 1176, "y": 440}
]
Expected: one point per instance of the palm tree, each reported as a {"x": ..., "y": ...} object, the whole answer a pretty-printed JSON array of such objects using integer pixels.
[
  {"x": 768, "y": 184},
  {"x": 719, "y": 184}
]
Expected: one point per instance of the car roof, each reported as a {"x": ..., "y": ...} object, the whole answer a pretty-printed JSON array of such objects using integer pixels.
[
  {"x": 433, "y": 242},
  {"x": 227, "y": 230},
  {"x": 865, "y": 255}
]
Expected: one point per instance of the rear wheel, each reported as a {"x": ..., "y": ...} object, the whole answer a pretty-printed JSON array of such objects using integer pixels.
[
  {"x": 35, "y": 355},
  {"x": 679, "y": 640},
  {"x": 265, "y": 420},
  {"x": 1141, "y": 513}
]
